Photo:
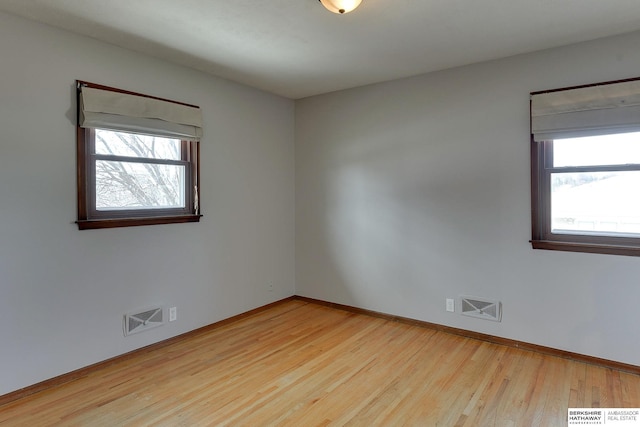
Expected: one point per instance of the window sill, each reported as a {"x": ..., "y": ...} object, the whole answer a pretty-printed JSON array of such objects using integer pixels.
[
  {"x": 586, "y": 247},
  {"x": 94, "y": 224}
]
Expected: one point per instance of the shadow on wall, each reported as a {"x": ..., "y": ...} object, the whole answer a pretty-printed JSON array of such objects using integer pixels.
[{"x": 396, "y": 213}]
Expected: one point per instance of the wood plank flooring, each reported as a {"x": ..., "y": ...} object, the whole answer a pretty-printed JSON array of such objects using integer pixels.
[{"x": 303, "y": 364}]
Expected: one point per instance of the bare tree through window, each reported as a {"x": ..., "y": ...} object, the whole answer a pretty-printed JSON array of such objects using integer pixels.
[{"x": 138, "y": 171}]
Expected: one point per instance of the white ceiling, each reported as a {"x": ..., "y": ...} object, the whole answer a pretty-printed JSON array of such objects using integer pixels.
[{"x": 296, "y": 48}]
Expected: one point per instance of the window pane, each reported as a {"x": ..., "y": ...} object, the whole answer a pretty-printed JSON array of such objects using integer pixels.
[
  {"x": 595, "y": 202},
  {"x": 618, "y": 149},
  {"x": 134, "y": 145},
  {"x": 125, "y": 185}
]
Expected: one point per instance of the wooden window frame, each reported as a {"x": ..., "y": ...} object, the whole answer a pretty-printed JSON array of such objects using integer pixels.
[
  {"x": 542, "y": 237},
  {"x": 91, "y": 218}
]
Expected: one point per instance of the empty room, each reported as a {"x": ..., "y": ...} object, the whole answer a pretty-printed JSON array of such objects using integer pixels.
[{"x": 305, "y": 213}]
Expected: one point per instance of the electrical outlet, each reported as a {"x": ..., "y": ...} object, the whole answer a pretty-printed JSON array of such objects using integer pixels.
[
  {"x": 270, "y": 287},
  {"x": 173, "y": 314},
  {"x": 451, "y": 306}
]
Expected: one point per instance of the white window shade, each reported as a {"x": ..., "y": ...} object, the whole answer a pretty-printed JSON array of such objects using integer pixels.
[
  {"x": 118, "y": 111},
  {"x": 594, "y": 110}
]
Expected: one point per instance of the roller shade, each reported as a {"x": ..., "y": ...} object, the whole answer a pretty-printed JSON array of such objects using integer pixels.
[
  {"x": 118, "y": 111},
  {"x": 594, "y": 110}
]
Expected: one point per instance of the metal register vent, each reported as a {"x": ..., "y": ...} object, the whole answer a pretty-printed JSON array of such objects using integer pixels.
[
  {"x": 142, "y": 321},
  {"x": 482, "y": 308}
]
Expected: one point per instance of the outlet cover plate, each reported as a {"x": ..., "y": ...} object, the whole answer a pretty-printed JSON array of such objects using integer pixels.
[{"x": 451, "y": 307}]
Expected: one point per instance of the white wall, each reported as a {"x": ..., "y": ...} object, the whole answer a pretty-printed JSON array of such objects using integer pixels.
[
  {"x": 63, "y": 291},
  {"x": 407, "y": 193},
  {"x": 416, "y": 190}
]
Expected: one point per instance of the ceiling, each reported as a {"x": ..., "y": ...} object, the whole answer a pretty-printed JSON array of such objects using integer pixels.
[{"x": 296, "y": 48}]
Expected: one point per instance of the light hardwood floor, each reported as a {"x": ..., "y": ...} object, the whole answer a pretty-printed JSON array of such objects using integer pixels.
[{"x": 303, "y": 364}]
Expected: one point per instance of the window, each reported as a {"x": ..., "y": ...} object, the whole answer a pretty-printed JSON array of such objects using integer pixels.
[
  {"x": 585, "y": 168},
  {"x": 137, "y": 159}
]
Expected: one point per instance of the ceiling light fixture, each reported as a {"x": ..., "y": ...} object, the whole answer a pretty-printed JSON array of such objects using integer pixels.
[{"x": 340, "y": 6}]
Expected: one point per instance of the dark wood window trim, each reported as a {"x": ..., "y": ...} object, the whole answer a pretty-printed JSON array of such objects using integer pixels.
[
  {"x": 90, "y": 218},
  {"x": 542, "y": 237}
]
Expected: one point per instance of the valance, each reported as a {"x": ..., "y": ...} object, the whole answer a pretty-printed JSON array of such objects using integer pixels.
[
  {"x": 593, "y": 110},
  {"x": 125, "y": 112}
]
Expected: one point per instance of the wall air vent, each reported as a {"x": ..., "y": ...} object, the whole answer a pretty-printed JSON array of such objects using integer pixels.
[
  {"x": 143, "y": 320},
  {"x": 481, "y": 308}
]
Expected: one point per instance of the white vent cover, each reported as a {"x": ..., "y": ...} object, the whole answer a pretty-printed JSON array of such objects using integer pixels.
[
  {"x": 143, "y": 320},
  {"x": 481, "y": 308}
]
